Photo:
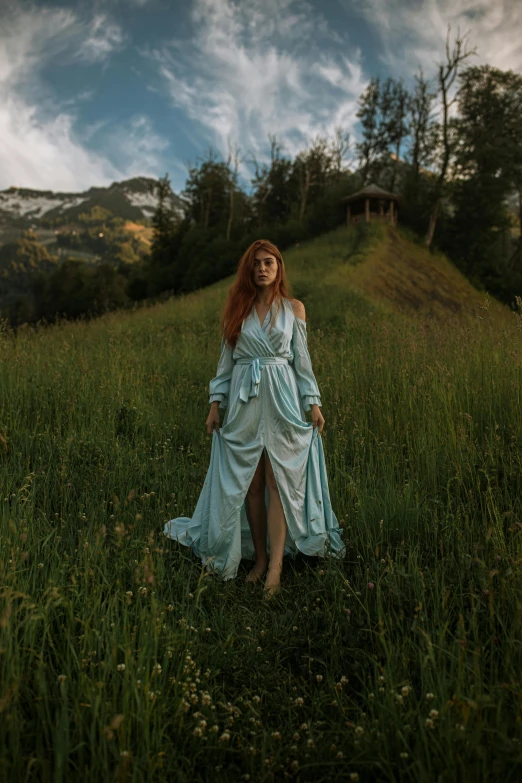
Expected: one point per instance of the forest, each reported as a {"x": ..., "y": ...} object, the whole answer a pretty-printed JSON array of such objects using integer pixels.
[{"x": 450, "y": 147}]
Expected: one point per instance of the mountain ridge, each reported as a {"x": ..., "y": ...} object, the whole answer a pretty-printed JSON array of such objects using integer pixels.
[{"x": 131, "y": 199}]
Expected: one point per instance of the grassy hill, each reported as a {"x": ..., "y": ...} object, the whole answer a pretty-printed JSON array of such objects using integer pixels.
[
  {"x": 121, "y": 659},
  {"x": 369, "y": 269}
]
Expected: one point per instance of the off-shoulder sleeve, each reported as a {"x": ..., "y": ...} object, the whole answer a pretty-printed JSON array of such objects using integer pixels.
[
  {"x": 220, "y": 385},
  {"x": 306, "y": 383}
]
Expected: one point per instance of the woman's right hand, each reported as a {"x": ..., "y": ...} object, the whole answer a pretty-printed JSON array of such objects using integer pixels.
[{"x": 213, "y": 418}]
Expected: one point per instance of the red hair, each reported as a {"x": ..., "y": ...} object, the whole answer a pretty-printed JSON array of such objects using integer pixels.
[{"x": 243, "y": 291}]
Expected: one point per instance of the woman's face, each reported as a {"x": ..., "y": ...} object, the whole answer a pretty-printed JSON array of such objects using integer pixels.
[{"x": 265, "y": 269}]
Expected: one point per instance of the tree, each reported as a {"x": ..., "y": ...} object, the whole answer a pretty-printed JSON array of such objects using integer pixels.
[
  {"x": 421, "y": 124},
  {"x": 368, "y": 148},
  {"x": 447, "y": 74},
  {"x": 397, "y": 127},
  {"x": 207, "y": 191},
  {"x": 164, "y": 223},
  {"x": 488, "y": 162}
]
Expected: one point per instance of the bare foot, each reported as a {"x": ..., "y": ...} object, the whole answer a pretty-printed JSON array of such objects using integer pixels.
[
  {"x": 272, "y": 582},
  {"x": 256, "y": 573}
]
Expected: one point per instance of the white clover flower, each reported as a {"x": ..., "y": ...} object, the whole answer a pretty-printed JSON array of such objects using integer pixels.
[
  {"x": 434, "y": 714},
  {"x": 359, "y": 731},
  {"x": 121, "y": 667}
]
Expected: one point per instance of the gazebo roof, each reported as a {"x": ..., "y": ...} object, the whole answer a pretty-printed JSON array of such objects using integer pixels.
[{"x": 371, "y": 190}]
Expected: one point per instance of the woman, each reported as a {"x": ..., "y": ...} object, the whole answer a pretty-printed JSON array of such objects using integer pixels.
[{"x": 265, "y": 382}]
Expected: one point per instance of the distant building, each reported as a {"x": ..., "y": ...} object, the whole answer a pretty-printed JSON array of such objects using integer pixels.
[{"x": 371, "y": 203}]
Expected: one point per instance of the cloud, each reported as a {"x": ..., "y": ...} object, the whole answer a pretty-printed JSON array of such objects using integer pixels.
[
  {"x": 104, "y": 38},
  {"x": 260, "y": 67},
  {"x": 413, "y": 32},
  {"x": 41, "y": 147}
]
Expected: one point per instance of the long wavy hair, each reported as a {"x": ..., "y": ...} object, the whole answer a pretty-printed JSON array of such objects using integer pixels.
[{"x": 243, "y": 291}]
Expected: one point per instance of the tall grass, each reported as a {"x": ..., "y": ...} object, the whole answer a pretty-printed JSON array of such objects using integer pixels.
[{"x": 121, "y": 660}]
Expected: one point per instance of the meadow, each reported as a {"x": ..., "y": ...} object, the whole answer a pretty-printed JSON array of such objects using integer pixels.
[{"x": 122, "y": 660}]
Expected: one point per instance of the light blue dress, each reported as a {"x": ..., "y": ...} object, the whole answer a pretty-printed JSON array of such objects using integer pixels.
[{"x": 266, "y": 383}]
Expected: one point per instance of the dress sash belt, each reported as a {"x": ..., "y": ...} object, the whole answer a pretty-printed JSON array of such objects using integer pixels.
[{"x": 250, "y": 383}]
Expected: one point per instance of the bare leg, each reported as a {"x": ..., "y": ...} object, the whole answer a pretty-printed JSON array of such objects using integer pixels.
[
  {"x": 256, "y": 515},
  {"x": 276, "y": 533}
]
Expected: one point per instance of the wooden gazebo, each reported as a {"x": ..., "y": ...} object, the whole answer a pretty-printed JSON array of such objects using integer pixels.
[{"x": 371, "y": 203}]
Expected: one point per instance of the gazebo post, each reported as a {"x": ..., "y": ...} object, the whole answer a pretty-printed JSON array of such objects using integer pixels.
[
  {"x": 392, "y": 215},
  {"x": 367, "y": 210},
  {"x": 348, "y": 214}
]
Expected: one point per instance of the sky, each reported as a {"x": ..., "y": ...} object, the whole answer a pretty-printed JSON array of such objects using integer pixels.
[{"x": 97, "y": 92}]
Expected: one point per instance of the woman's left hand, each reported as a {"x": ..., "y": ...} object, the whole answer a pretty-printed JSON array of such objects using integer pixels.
[{"x": 317, "y": 418}]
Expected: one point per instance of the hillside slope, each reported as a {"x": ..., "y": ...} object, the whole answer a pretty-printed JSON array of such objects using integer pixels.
[{"x": 355, "y": 272}]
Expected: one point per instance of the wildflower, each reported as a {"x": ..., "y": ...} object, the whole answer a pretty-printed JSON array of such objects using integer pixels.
[
  {"x": 371, "y": 696},
  {"x": 403, "y": 755},
  {"x": 197, "y": 732},
  {"x": 359, "y": 731},
  {"x": 405, "y": 690},
  {"x": 276, "y": 735},
  {"x": 248, "y": 628},
  {"x": 208, "y": 630},
  {"x": 121, "y": 667},
  {"x": 340, "y": 754},
  {"x": 157, "y": 668},
  {"x": 430, "y": 696},
  {"x": 381, "y": 678},
  {"x": 319, "y": 677},
  {"x": 40, "y": 565},
  {"x": 354, "y": 776},
  {"x": 62, "y": 678},
  {"x": 129, "y": 593},
  {"x": 125, "y": 753},
  {"x": 170, "y": 608},
  {"x": 190, "y": 595},
  {"x": 310, "y": 742},
  {"x": 259, "y": 649},
  {"x": 398, "y": 698},
  {"x": 256, "y": 698},
  {"x": 294, "y": 766},
  {"x": 224, "y": 737},
  {"x": 344, "y": 679},
  {"x": 304, "y": 726},
  {"x": 429, "y": 723},
  {"x": 434, "y": 714},
  {"x": 206, "y": 699},
  {"x": 370, "y": 585},
  {"x": 321, "y": 572},
  {"x": 299, "y": 702},
  {"x": 294, "y": 628}
]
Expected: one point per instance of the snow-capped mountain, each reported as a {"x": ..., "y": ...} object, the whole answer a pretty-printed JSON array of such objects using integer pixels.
[{"x": 132, "y": 199}]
